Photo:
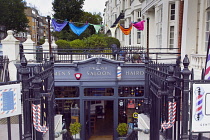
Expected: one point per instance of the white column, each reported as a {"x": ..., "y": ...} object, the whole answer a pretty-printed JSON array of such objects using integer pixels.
[
  {"x": 189, "y": 28},
  {"x": 45, "y": 46},
  {"x": 29, "y": 46},
  {"x": 165, "y": 24},
  {"x": 10, "y": 48}
]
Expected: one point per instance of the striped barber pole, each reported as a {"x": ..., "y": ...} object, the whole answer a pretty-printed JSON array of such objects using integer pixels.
[
  {"x": 171, "y": 116},
  {"x": 36, "y": 119},
  {"x": 199, "y": 104},
  {"x": 207, "y": 67}
]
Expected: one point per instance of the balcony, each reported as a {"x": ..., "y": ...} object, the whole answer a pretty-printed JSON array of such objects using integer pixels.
[{"x": 198, "y": 61}]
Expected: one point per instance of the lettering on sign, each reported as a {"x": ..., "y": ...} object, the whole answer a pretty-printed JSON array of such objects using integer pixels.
[
  {"x": 62, "y": 73},
  {"x": 134, "y": 73},
  {"x": 98, "y": 68},
  {"x": 94, "y": 73}
]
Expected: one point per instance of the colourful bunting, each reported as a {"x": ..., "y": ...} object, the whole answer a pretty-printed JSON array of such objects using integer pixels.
[
  {"x": 126, "y": 31},
  {"x": 78, "y": 30},
  {"x": 139, "y": 25},
  {"x": 58, "y": 26}
]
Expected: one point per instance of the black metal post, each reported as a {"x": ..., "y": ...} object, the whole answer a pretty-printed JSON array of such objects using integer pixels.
[
  {"x": 24, "y": 71},
  {"x": 148, "y": 38},
  {"x": 185, "y": 94},
  {"x": 9, "y": 128},
  {"x": 178, "y": 97},
  {"x": 37, "y": 96},
  {"x": 20, "y": 126},
  {"x": 49, "y": 34},
  {"x": 51, "y": 100},
  {"x": 171, "y": 80}
]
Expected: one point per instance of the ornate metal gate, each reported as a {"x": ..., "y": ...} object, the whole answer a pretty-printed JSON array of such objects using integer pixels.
[
  {"x": 168, "y": 94},
  {"x": 38, "y": 99}
]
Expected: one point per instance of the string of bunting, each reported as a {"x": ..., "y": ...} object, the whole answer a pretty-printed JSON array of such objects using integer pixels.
[
  {"x": 58, "y": 26},
  {"x": 171, "y": 116}
]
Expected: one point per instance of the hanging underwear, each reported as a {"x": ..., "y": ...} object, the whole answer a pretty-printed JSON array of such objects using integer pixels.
[
  {"x": 126, "y": 31},
  {"x": 97, "y": 27},
  {"x": 112, "y": 30},
  {"x": 58, "y": 26},
  {"x": 78, "y": 30},
  {"x": 139, "y": 25}
]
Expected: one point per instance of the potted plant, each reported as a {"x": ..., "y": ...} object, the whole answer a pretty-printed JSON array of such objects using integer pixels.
[
  {"x": 136, "y": 57},
  {"x": 122, "y": 129},
  {"x": 75, "y": 128}
]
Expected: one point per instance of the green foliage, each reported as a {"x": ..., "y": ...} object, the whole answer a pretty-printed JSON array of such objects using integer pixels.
[
  {"x": 77, "y": 44},
  {"x": 75, "y": 128},
  {"x": 112, "y": 40},
  {"x": 68, "y": 9},
  {"x": 63, "y": 44},
  {"x": 136, "y": 56},
  {"x": 95, "y": 42},
  {"x": 72, "y": 10},
  {"x": 94, "y": 18},
  {"x": 122, "y": 129},
  {"x": 41, "y": 41},
  {"x": 12, "y": 15}
]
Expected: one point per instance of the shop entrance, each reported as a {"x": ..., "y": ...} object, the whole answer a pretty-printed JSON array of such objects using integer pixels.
[
  {"x": 99, "y": 119},
  {"x": 99, "y": 94}
]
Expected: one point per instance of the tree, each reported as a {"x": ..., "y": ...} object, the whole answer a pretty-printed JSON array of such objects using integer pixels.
[
  {"x": 68, "y": 9},
  {"x": 12, "y": 15},
  {"x": 72, "y": 10}
]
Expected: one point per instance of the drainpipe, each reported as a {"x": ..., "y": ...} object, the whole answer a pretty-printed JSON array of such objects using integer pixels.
[
  {"x": 147, "y": 38},
  {"x": 181, "y": 9}
]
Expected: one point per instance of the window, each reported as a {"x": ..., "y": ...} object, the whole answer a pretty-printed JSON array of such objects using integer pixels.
[
  {"x": 138, "y": 37},
  {"x": 131, "y": 91},
  {"x": 139, "y": 14},
  {"x": 172, "y": 11},
  {"x": 129, "y": 39},
  {"x": 208, "y": 3},
  {"x": 159, "y": 26},
  {"x": 171, "y": 37},
  {"x": 207, "y": 28},
  {"x": 99, "y": 92}
]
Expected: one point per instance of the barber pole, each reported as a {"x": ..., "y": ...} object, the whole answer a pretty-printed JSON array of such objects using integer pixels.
[
  {"x": 171, "y": 116},
  {"x": 119, "y": 73}
]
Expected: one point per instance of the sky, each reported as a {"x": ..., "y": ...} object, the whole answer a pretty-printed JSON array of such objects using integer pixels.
[{"x": 45, "y": 6}]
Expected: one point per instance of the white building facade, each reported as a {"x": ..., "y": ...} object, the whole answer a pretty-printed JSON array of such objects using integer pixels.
[
  {"x": 132, "y": 13},
  {"x": 177, "y": 25}
]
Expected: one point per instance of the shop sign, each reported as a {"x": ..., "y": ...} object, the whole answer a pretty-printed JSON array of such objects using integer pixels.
[
  {"x": 200, "y": 116},
  {"x": 10, "y": 100}
]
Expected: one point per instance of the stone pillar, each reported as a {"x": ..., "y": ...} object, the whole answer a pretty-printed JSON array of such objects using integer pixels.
[
  {"x": 46, "y": 50},
  {"x": 54, "y": 46},
  {"x": 45, "y": 46},
  {"x": 10, "y": 47},
  {"x": 189, "y": 28},
  {"x": 29, "y": 46}
]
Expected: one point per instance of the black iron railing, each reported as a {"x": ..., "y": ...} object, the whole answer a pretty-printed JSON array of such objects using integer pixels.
[{"x": 129, "y": 54}]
